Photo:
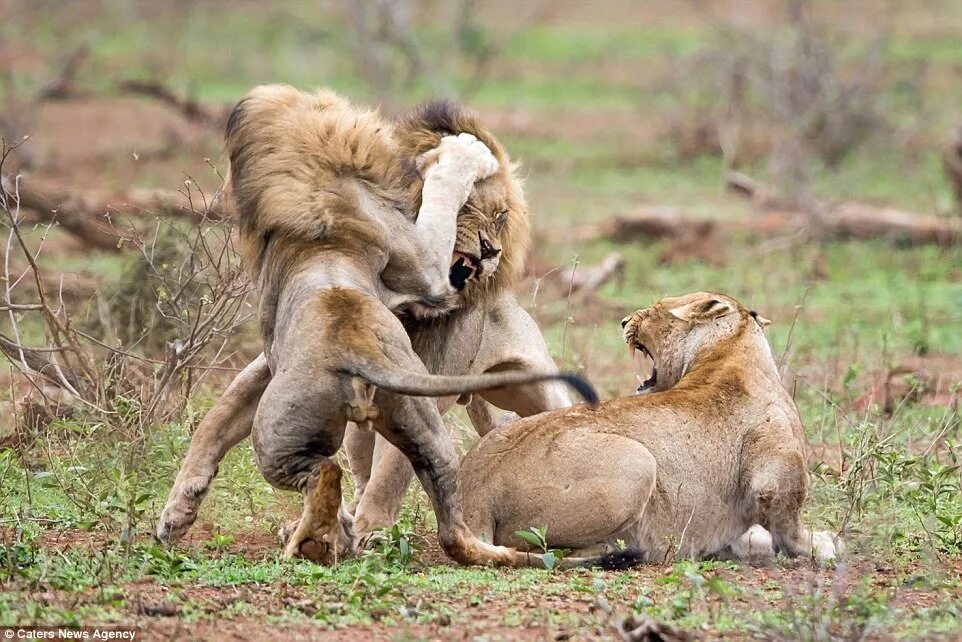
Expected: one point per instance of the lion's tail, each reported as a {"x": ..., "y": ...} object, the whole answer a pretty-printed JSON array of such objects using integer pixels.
[
  {"x": 426, "y": 385},
  {"x": 614, "y": 561}
]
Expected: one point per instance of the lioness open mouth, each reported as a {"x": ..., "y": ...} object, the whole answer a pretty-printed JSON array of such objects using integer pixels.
[
  {"x": 464, "y": 267},
  {"x": 645, "y": 368}
]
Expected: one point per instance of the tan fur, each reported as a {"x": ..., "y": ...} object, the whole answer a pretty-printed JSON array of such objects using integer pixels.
[
  {"x": 487, "y": 331},
  {"x": 495, "y": 210},
  {"x": 325, "y": 232},
  {"x": 295, "y": 158},
  {"x": 686, "y": 470}
]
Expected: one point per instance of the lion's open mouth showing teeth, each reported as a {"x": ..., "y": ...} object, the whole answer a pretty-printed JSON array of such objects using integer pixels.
[
  {"x": 645, "y": 368},
  {"x": 464, "y": 267}
]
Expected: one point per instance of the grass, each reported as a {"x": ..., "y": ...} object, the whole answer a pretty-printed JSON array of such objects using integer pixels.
[{"x": 81, "y": 496}]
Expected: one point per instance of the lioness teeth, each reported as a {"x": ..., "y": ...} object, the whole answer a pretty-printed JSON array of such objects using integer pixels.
[{"x": 645, "y": 369}]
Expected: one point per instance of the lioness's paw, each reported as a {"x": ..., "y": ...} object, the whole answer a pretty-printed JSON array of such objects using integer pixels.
[
  {"x": 826, "y": 547},
  {"x": 464, "y": 153},
  {"x": 754, "y": 545}
]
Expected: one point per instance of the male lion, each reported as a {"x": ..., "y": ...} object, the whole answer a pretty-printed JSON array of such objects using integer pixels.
[
  {"x": 487, "y": 331},
  {"x": 324, "y": 218},
  {"x": 712, "y": 447}
]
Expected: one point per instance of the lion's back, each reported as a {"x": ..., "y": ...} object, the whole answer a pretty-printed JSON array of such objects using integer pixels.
[{"x": 294, "y": 158}]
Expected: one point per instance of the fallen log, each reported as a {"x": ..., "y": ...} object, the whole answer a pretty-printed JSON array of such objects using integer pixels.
[
  {"x": 582, "y": 281},
  {"x": 152, "y": 202},
  {"x": 861, "y": 221},
  {"x": 651, "y": 222},
  {"x": 58, "y": 207},
  {"x": 84, "y": 214},
  {"x": 852, "y": 219},
  {"x": 689, "y": 237}
]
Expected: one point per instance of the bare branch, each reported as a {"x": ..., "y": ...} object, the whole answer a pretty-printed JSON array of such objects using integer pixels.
[{"x": 189, "y": 107}]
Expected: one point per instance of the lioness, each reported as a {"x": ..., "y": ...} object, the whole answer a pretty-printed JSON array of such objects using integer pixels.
[
  {"x": 326, "y": 234},
  {"x": 487, "y": 331},
  {"x": 713, "y": 446}
]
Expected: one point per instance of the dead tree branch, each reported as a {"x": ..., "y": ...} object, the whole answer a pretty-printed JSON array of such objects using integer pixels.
[
  {"x": 214, "y": 117},
  {"x": 63, "y": 84},
  {"x": 196, "y": 293},
  {"x": 87, "y": 214}
]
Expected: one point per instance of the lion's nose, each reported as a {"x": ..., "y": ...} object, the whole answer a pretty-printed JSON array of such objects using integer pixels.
[
  {"x": 624, "y": 321},
  {"x": 488, "y": 251}
]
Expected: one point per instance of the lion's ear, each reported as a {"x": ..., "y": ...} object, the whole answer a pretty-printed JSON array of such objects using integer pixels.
[{"x": 704, "y": 310}]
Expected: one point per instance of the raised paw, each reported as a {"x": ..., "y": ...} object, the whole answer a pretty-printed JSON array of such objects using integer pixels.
[{"x": 463, "y": 153}]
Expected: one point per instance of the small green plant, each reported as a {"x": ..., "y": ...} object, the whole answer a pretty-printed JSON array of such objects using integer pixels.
[
  {"x": 537, "y": 538},
  {"x": 218, "y": 540},
  {"x": 166, "y": 562},
  {"x": 395, "y": 545}
]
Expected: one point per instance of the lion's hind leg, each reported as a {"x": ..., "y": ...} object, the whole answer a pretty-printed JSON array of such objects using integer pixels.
[
  {"x": 414, "y": 426},
  {"x": 298, "y": 427},
  {"x": 323, "y": 533}
]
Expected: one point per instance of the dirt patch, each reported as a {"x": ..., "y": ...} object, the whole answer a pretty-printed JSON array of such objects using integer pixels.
[{"x": 116, "y": 142}]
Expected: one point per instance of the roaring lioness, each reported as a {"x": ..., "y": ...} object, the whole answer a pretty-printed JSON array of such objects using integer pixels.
[
  {"x": 486, "y": 331},
  {"x": 326, "y": 234},
  {"x": 711, "y": 447}
]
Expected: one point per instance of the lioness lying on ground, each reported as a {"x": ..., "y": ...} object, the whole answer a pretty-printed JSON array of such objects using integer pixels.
[
  {"x": 487, "y": 331},
  {"x": 324, "y": 227},
  {"x": 713, "y": 446}
]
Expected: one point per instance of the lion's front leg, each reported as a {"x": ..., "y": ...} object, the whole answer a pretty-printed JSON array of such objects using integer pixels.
[
  {"x": 379, "y": 501},
  {"x": 450, "y": 172},
  {"x": 511, "y": 340},
  {"x": 224, "y": 426}
]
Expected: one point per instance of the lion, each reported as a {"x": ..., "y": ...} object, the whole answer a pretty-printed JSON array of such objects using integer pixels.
[
  {"x": 487, "y": 331},
  {"x": 711, "y": 448},
  {"x": 323, "y": 199}
]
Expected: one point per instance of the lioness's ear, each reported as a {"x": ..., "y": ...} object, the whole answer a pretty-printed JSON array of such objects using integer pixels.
[
  {"x": 702, "y": 310},
  {"x": 762, "y": 321}
]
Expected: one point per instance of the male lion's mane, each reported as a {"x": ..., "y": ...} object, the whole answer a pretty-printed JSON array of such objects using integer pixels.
[{"x": 293, "y": 157}]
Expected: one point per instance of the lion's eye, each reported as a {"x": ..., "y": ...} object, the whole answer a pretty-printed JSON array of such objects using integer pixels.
[{"x": 500, "y": 219}]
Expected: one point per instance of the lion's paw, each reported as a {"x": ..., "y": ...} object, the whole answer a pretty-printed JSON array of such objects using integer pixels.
[
  {"x": 826, "y": 546},
  {"x": 181, "y": 509},
  {"x": 312, "y": 544},
  {"x": 464, "y": 153},
  {"x": 755, "y": 544},
  {"x": 321, "y": 544}
]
